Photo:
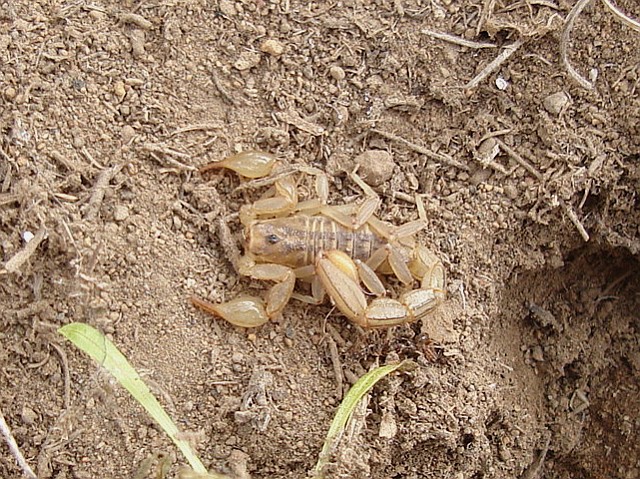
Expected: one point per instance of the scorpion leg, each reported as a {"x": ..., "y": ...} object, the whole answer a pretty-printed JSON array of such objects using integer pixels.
[
  {"x": 354, "y": 216},
  {"x": 334, "y": 269},
  {"x": 283, "y": 203},
  {"x": 429, "y": 269}
]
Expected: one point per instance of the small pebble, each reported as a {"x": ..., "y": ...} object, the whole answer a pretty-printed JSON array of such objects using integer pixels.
[
  {"x": 28, "y": 416},
  {"x": 537, "y": 354},
  {"x": 10, "y": 93},
  {"x": 97, "y": 15},
  {"x": 137, "y": 39},
  {"x": 480, "y": 176},
  {"x": 555, "y": 103},
  {"x": 375, "y": 166},
  {"x": 77, "y": 140},
  {"x": 247, "y": 60},
  {"x": 504, "y": 454},
  {"x": 488, "y": 150},
  {"x": 272, "y": 47},
  {"x": 501, "y": 83},
  {"x": 227, "y": 7},
  {"x": 120, "y": 213},
  {"x": 337, "y": 73},
  {"x": 237, "y": 357},
  {"x": 119, "y": 90},
  {"x": 127, "y": 133},
  {"x": 511, "y": 191},
  {"x": 388, "y": 426}
]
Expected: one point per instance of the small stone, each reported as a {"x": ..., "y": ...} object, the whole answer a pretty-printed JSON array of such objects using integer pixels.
[
  {"x": 227, "y": 7},
  {"x": 120, "y": 213},
  {"x": 388, "y": 426},
  {"x": 237, "y": 357},
  {"x": 137, "y": 39},
  {"x": 511, "y": 191},
  {"x": 501, "y": 83},
  {"x": 28, "y": 416},
  {"x": 127, "y": 133},
  {"x": 375, "y": 166},
  {"x": 77, "y": 139},
  {"x": 555, "y": 103},
  {"x": 337, "y": 73},
  {"x": 504, "y": 454},
  {"x": 27, "y": 236},
  {"x": 119, "y": 91},
  {"x": 97, "y": 15},
  {"x": 488, "y": 150},
  {"x": 272, "y": 47},
  {"x": 537, "y": 354},
  {"x": 480, "y": 176},
  {"x": 247, "y": 60},
  {"x": 10, "y": 93}
]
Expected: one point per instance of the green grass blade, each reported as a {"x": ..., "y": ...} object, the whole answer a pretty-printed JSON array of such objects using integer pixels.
[
  {"x": 348, "y": 404},
  {"x": 104, "y": 352}
]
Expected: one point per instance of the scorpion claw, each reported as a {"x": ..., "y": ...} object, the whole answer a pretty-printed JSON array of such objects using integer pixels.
[
  {"x": 250, "y": 164},
  {"x": 243, "y": 311}
]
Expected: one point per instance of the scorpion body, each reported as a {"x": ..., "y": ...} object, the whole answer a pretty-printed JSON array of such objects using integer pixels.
[
  {"x": 297, "y": 241},
  {"x": 339, "y": 249}
]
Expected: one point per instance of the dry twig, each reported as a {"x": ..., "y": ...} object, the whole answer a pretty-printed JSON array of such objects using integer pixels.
[
  {"x": 439, "y": 157},
  {"x": 197, "y": 127},
  {"x": 494, "y": 65},
  {"x": 628, "y": 21},
  {"x": 575, "y": 220},
  {"x": 102, "y": 183},
  {"x": 337, "y": 366},
  {"x": 18, "y": 259},
  {"x": 463, "y": 42},
  {"x": 518, "y": 159},
  {"x": 564, "y": 41},
  {"x": 67, "y": 377},
  {"x": 533, "y": 471},
  {"x": 15, "y": 451}
]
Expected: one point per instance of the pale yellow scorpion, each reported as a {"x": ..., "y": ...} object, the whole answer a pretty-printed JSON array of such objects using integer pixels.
[{"x": 335, "y": 248}]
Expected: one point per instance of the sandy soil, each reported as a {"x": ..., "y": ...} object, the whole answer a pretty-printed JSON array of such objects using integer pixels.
[{"x": 108, "y": 109}]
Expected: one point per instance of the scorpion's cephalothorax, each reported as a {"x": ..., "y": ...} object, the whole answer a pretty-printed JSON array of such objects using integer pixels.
[{"x": 296, "y": 241}]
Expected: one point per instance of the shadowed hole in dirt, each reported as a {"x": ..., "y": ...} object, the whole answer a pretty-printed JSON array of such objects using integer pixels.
[{"x": 578, "y": 334}]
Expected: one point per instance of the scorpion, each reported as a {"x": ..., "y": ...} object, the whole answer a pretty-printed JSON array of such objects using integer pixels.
[{"x": 338, "y": 249}]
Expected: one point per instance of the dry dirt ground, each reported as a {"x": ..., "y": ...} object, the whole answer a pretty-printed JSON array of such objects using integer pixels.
[{"x": 531, "y": 366}]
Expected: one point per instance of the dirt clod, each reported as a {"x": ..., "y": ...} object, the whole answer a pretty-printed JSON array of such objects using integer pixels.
[
  {"x": 247, "y": 60},
  {"x": 556, "y": 102},
  {"x": 272, "y": 47},
  {"x": 337, "y": 73},
  {"x": 375, "y": 166}
]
